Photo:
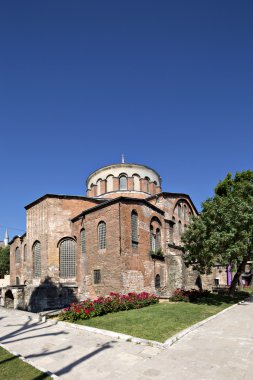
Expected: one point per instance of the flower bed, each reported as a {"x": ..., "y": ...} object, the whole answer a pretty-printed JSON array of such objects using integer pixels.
[
  {"x": 181, "y": 295},
  {"x": 103, "y": 305}
]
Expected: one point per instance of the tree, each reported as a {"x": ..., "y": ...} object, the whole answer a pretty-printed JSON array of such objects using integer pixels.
[
  {"x": 4, "y": 261},
  {"x": 223, "y": 232}
]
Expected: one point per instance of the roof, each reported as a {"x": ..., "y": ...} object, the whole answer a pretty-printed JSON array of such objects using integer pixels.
[
  {"x": 117, "y": 200},
  {"x": 173, "y": 195},
  {"x": 17, "y": 237},
  {"x": 120, "y": 164},
  {"x": 61, "y": 196}
]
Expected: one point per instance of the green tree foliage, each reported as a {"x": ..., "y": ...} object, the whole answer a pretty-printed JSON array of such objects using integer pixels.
[
  {"x": 4, "y": 261},
  {"x": 223, "y": 232}
]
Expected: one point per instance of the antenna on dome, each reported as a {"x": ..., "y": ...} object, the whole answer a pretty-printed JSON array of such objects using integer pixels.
[{"x": 122, "y": 159}]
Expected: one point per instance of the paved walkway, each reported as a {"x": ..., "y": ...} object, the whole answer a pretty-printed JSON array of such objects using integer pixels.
[{"x": 218, "y": 350}]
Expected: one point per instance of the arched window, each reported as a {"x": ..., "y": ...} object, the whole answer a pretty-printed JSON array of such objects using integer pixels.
[
  {"x": 155, "y": 237},
  {"x": 157, "y": 240},
  {"x": 136, "y": 179},
  {"x": 152, "y": 239},
  {"x": 123, "y": 182},
  {"x": 17, "y": 255},
  {"x": 37, "y": 259},
  {"x": 157, "y": 281},
  {"x": 83, "y": 241},
  {"x": 67, "y": 258},
  {"x": 185, "y": 212},
  {"x": 99, "y": 186},
  {"x": 134, "y": 223},
  {"x": 109, "y": 183},
  {"x": 102, "y": 235},
  {"x": 179, "y": 211},
  {"x": 25, "y": 252}
]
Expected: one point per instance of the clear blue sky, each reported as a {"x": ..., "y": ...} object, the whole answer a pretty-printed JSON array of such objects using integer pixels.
[{"x": 168, "y": 83}]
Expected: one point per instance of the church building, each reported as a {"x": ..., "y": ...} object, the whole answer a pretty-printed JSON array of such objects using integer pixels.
[{"x": 124, "y": 235}]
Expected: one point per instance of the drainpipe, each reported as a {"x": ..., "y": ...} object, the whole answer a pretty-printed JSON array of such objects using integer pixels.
[
  {"x": 229, "y": 275},
  {"x": 120, "y": 250}
]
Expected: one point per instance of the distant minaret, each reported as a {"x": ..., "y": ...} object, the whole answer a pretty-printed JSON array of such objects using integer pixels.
[
  {"x": 6, "y": 238},
  {"x": 122, "y": 159}
]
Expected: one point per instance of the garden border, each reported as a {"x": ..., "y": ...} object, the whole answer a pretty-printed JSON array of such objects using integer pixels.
[{"x": 129, "y": 338}]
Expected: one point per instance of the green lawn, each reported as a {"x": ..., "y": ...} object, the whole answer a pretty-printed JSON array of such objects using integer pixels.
[
  {"x": 161, "y": 321},
  {"x": 12, "y": 368}
]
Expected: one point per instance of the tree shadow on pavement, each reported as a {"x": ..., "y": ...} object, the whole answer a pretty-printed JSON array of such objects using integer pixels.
[
  {"x": 69, "y": 367},
  {"x": 30, "y": 326}
]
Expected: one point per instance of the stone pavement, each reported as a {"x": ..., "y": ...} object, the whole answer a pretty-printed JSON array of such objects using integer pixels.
[{"x": 220, "y": 349}]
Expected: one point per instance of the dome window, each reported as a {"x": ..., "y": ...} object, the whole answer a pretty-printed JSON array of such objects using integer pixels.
[{"x": 123, "y": 182}]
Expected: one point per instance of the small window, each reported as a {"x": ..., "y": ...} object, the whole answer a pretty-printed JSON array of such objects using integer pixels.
[
  {"x": 67, "y": 258},
  {"x": 37, "y": 259},
  {"x": 17, "y": 281},
  {"x": 83, "y": 241},
  {"x": 157, "y": 281},
  {"x": 102, "y": 235},
  {"x": 216, "y": 282},
  {"x": 147, "y": 184},
  {"x": 123, "y": 182},
  {"x": 17, "y": 255},
  {"x": 134, "y": 222},
  {"x": 97, "y": 276},
  {"x": 25, "y": 252}
]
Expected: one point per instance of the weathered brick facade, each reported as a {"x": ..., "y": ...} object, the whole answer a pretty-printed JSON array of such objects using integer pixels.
[{"x": 148, "y": 259}]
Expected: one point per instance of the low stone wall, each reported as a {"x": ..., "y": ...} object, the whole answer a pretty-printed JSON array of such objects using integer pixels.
[
  {"x": 5, "y": 281},
  {"x": 38, "y": 298}
]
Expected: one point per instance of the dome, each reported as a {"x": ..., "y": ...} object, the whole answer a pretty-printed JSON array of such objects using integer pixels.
[{"x": 123, "y": 179}]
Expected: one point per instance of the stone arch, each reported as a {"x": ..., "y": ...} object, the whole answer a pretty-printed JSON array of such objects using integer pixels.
[
  {"x": 9, "y": 299},
  {"x": 155, "y": 222},
  {"x": 183, "y": 202}
]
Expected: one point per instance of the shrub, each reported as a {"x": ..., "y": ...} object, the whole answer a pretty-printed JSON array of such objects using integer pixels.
[
  {"x": 103, "y": 305},
  {"x": 181, "y": 295}
]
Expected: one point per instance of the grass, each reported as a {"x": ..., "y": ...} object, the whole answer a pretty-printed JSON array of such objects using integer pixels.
[
  {"x": 159, "y": 322},
  {"x": 15, "y": 369}
]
